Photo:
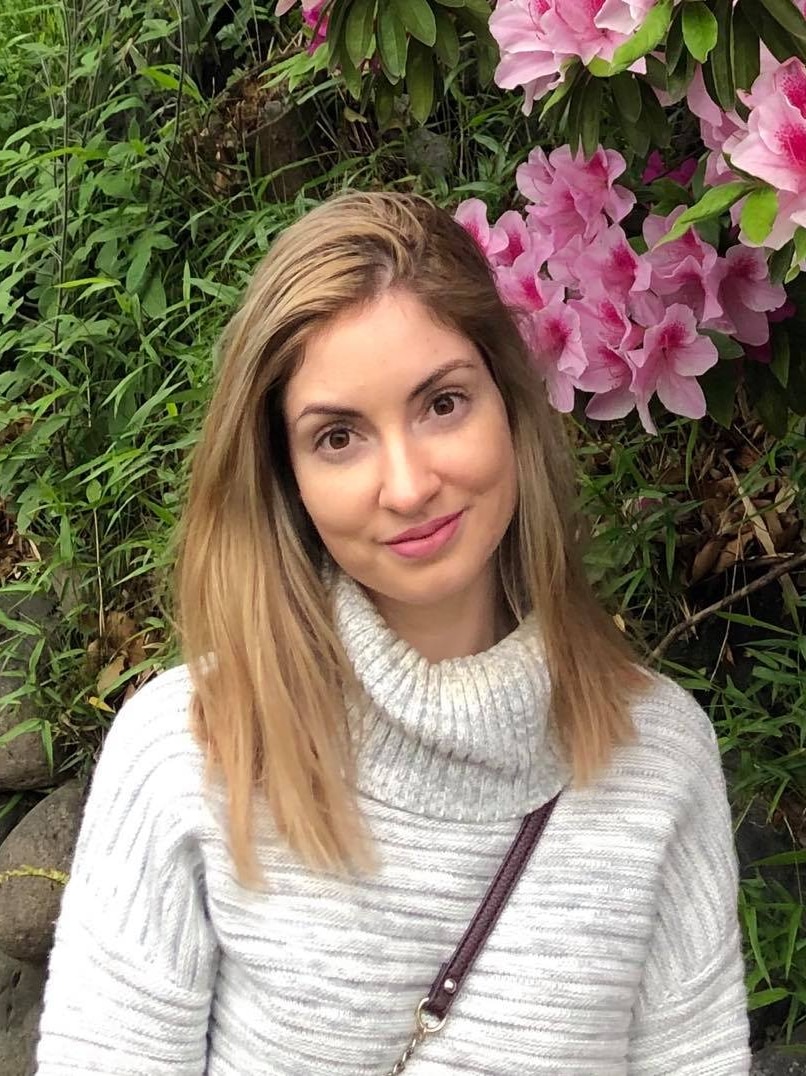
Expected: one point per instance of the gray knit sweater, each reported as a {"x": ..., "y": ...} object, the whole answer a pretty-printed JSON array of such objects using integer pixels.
[{"x": 618, "y": 953}]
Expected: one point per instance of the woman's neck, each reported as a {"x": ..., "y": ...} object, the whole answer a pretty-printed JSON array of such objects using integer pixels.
[{"x": 467, "y": 623}]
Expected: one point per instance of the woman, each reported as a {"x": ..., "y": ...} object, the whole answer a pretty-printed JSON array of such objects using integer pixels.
[{"x": 392, "y": 657}]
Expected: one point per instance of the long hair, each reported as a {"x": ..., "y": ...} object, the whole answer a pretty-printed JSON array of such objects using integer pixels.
[{"x": 253, "y": 612}]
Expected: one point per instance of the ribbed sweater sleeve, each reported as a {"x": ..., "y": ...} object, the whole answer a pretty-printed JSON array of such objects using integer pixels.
[
  {"x": 691, "y": 1016},
  {"x": 131, "y": 972}
]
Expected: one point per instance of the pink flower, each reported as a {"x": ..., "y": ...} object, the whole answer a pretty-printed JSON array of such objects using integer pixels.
[
  {"x": 673, "y": 354},
  {"x": 683, "y": 271},
  {"x": 774, "y": 146},
  {"x": 522, "y": 285},
  {"x": 607, "y": 334},
  {"x": 572, "y": 29},
  {"x": 512, "y": 225},
  {"x": 527, "y": 56},
  {"x": 311, "y": 16},
  {"x": 716, "y": 126},
  {"x": 610, "y": 264},
  {"x": 537, "y": 38},
  {"x": 570, "y": 196},
  {"x": 746, "y": 294},
  {"x": 555, "y": 346},
  {"x": 623, "y": 16},
  {"x": 472, "y": 215}
]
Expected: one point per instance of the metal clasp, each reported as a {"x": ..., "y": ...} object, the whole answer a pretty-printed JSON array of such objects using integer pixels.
[{"x": 424, "y": 1024}]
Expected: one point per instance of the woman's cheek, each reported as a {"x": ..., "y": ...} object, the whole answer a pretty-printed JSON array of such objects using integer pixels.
[{"x": 338, "y": 497}]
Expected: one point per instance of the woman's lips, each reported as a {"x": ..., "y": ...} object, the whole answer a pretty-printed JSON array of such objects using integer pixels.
[{"x": 429, "y": 543}]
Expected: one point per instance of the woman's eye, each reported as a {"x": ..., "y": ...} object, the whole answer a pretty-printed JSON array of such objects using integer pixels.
[
  {"x": 445, "y": 403},
  {"x": 335, "y": 440}
]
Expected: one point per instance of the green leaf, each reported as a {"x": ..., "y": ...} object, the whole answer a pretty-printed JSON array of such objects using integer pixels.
[
  {"x": 712, "y": 204},
  {"x": 792, "y": 936},
  {"x": 675, "y": 46},
  {"x": 720, "y": 63},
  {"x": 759, "y": 213},
  {"x": 18, "y": 627},
  {"x": 154, "y": 299},
  {"x": 653, "y": 113},
  {"x": 656, "y": 74},
  {"x": 359, "y": 29},
  {"x": 769, "y": 401},
  {"x": 392, "y": 40},
  {"x": 638, "y": 135},
  {"x": 719, "y": 385},
  {"x": 384, "y": 102},
  {"x": 451, "y": 3},
  {"x": 65, "y": 539},
  {"x": 781, "y": 859},
  {"x": 780, "y": 262},
  {"x": 799, "y": 240},
  {"x": 447, "y": 43},
  {"x": 574, "y": 124},
  {"x": 626, "y": 97},
  {"x": 30, "y": 724},
  {"x": 647, "y": 37},
  {"x": 667, "y": 195},
  {"x": 780, "y": 355},
  {"x": 93, "y": 491},
  {"x": 699, "y": 29},
  {"x": 787, "y": 15},
  {"x": 591, "y": 118},
  {"x": 138, "y": 267},
  {"x": 762, "y": 998},
  {"x": 781, "y": 44},
  {"x": 677, "y": 81},
  {"x": 335, "y": 37},
  {"x": 572, "y": 73},
  {"x": 420, "y": 81},
  {"x": 417, "y": 17},
  {"x": 487, "y": 58},
  {"x": 9, "y": 803},
  {"x": 746, "y": 51},
  {"x": 727, "y": 347}
]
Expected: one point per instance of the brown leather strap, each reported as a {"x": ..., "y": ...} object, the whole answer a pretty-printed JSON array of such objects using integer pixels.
[{"x": 452, "y": 974}]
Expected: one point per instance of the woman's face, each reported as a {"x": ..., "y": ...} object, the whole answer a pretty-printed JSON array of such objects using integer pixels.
[{"x": 394, "y": 426}]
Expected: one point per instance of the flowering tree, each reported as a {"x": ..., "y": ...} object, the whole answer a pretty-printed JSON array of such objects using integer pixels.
[{"x": 635, "y": 275}]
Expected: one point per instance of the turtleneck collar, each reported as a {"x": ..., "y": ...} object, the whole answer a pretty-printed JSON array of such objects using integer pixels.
[{"x": 468, "y": 739}]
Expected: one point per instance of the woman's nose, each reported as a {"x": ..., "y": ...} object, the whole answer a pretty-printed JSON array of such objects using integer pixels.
[{"x": 408, "y": 479}]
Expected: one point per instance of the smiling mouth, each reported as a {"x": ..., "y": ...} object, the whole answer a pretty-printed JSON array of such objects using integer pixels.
[
  {"x": 415, "y": 534},
  {"x": 431, "y": 538}
]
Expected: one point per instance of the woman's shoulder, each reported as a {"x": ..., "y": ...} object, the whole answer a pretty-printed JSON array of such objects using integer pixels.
[
  {"x": 157, "y": 713},
  {"x": 668, "y": 713},
  {"x": 676, "y": 740},
  {"x": 150, "y": 751}
]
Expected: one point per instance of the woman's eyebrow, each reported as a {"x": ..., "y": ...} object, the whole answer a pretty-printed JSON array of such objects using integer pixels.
[{"x": 418, "y": 390}]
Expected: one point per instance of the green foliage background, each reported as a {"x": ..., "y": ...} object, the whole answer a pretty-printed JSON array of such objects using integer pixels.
[{"x": 136, "y": 197}]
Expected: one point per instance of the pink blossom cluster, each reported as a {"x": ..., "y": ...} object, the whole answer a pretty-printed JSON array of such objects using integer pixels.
[
  {"x": 598, "y": 315},
  {"x": 311, "y": 16},
  {"x": 770, "y": 144},
  {"x": 538, "y": 38}
]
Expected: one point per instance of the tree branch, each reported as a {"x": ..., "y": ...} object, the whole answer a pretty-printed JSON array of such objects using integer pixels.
[{"x": 785, "y": 567}]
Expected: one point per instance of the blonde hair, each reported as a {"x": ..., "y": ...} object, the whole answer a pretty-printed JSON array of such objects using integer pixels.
[{"x": 250, "y": 592}]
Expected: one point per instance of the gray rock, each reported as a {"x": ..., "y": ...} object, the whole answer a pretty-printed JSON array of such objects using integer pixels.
[
  {"x": 21, "y": 989},
  {"x": 428, "y": 154},
  {"x": 23, "y": 763},
  {"x": 29, "y": 905},
  {"x": 774, "y": 1061}
]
